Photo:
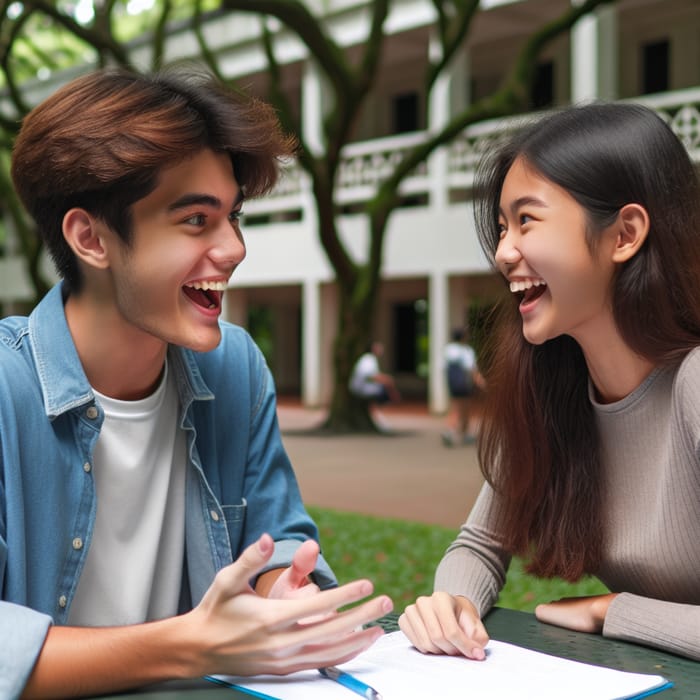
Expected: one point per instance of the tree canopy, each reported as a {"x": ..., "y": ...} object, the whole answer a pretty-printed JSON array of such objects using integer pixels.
[{"x": 39, "y": 38}]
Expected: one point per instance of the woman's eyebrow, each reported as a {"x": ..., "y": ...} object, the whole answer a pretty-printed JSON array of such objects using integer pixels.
[{"x": 526, "y": 201}]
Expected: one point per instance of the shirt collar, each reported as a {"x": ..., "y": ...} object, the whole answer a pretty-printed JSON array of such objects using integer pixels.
[{"x": 63, "y": 382}]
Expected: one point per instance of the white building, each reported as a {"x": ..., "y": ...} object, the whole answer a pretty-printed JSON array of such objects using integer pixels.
[{"x": 643, "y": 50}]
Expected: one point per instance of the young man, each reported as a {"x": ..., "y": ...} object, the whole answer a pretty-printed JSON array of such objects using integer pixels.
[
  {"x": 463, "y": 382},
  {"x": 141, "y": 467},
  {"x": 368, "y": 382}
]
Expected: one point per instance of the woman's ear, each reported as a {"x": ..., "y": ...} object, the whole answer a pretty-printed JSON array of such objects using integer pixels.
[
  {"x": 632, "y": 228},
  {"x": 85, "y": 235}
]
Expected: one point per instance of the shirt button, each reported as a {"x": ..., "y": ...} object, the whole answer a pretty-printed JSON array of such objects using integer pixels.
[
  {"x": 87, "y": 467},
  {"x": 62, "y": 601},
  {"x": 214, "y": 515},
  {"x": 91, "y": 413},
  {"x": 77, "y": 543}
]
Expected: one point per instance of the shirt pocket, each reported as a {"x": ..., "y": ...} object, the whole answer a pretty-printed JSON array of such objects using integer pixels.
[{"x": 234, "y": 516}]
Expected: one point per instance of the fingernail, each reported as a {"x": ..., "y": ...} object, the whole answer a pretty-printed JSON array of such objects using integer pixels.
[
  {"x": 478, "y": 654},
  {"x": 366, "y": 588},
  {"x": 265, "y": 544},
  {"x": 387, "y": 605}
]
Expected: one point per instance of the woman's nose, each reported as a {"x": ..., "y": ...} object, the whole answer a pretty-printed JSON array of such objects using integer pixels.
[{"x": 507, "y": 252}]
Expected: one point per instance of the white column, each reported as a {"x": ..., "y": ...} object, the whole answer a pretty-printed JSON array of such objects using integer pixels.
[
  {"x": 594, "y": 64},
  {"x": 312, "y": 108},
  {"x": 312, "y": 111},
  {"x": 439, "y": 323},
  {"x": 450, "y": 94},
  {"x": 311, "y": 343}
]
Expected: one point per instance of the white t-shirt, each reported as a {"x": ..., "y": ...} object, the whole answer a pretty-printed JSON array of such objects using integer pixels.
[
  {"x": 462, "y": 354},
  {"x": 361, "y": 384},
  {"x": 133, "y": 570}
]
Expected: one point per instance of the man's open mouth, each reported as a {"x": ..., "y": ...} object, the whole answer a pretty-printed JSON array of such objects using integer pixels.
[{"x": 205, "y": 294}]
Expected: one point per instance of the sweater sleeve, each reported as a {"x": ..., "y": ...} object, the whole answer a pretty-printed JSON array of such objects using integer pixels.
[
  {"x": 672, "y": 627},
  {"x": 475, "y": 564}
]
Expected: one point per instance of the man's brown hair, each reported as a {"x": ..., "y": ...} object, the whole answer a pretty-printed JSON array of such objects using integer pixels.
[{"x": 100, "y": 142}]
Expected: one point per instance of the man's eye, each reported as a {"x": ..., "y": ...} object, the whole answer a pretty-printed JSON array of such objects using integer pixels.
[{"x": 196, "y": 220}]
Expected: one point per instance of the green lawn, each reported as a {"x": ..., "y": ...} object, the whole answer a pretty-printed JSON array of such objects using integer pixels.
[{"x": 400, "y": 557}]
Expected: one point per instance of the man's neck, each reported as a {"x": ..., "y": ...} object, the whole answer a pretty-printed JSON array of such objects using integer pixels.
[{"x": 119, "y": 360}]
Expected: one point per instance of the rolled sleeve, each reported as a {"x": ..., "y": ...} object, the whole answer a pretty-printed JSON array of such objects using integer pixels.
[
  {"x": 23, "y": 632},
  {"x": 284, "y": 553}
]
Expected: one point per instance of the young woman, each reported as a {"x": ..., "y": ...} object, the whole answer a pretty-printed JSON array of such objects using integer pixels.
[{"x": 591, "y": 439}]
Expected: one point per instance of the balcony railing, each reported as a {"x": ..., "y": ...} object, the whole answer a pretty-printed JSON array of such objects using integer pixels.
[{"x": 365, "y": 165}]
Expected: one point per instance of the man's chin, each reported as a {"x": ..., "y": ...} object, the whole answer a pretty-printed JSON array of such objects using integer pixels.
[{"x": 205, "y": 343}]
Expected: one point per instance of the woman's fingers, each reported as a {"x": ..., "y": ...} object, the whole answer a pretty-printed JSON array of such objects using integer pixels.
[{"x": 445, "y": 624}]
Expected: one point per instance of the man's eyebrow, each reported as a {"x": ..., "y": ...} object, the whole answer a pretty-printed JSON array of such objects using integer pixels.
[
  {"x": 207, "y": 200},
  {"x": 526, "y": 201}
]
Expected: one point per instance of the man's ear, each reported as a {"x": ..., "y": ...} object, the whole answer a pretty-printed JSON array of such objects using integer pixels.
[
  {"x": 85, "y": 235},
  {"x": 631, "y": 228}
]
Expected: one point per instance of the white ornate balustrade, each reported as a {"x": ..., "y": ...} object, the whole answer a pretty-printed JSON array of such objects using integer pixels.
[{"x": 365, "y": 165}]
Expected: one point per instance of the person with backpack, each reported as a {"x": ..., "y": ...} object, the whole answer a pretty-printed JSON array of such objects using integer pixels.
[{"x": 463, "y": 380}]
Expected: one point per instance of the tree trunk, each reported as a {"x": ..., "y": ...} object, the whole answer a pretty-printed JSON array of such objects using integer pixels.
[{"x": 348, "y": 413}]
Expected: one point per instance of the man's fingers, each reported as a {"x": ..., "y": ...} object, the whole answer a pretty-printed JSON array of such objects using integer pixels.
[
  {"x": 341, "y": 628},
  {"x": 236, "y": 577},
  {"x": 303, "y": 563},
  {"x": 337, "y": 652}
]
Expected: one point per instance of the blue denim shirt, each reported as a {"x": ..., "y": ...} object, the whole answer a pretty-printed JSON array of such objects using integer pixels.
[{"x": 239, "y": 480}]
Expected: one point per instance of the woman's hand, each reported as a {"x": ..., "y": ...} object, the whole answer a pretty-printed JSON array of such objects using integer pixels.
[
  {"x": 445, "y": 624},
  {"x": 586, "y": 614},
  {"x": 235, "y": 631}
]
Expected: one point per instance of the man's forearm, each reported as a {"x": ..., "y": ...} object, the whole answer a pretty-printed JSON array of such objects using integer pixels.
[{"x": 80, "y": 661}]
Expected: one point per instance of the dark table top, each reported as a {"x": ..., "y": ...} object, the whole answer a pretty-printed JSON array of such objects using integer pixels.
[{"x": 522, "y": 629}]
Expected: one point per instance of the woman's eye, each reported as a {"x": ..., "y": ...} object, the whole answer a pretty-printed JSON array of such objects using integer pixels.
[
  {"x": 502, "y": 230},
  {"x": 235, "y": 216},
  {"x": 525, "y": 218}
]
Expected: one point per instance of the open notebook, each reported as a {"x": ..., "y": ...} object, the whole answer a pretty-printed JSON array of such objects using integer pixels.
[{"x": 399, "y": 672}]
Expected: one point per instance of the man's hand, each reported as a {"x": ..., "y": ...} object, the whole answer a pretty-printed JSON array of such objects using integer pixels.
[
  {"x": 294, "y": 581},
  {"x": 445, "y": 624},
  {"x": 232, "y": 631},
  {"x": 586, "y": 614},
  {"x": 236, "y": 631}
]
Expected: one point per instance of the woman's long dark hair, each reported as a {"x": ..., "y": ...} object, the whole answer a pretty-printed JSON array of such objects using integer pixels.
[{"x": 539, "y": 446}]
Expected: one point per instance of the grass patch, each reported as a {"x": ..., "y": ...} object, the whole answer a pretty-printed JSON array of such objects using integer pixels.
[{"x": 400, "y": 557}]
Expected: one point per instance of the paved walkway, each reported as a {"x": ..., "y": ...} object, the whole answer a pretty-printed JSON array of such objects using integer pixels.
[{"x": 410, "y": 475}]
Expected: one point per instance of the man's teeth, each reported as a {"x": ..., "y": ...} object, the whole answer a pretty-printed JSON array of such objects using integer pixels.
[
  {"x": 206, "y": 286},
  {"x": 522, "y": 285}
]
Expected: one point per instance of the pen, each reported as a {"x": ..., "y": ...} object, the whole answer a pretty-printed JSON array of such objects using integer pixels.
[
  {"x": 239, "y": 688},
  {"x": 350, "y": 682}
]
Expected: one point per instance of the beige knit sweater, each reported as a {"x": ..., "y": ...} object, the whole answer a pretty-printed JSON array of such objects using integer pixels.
[{"x": 651, "y": 467}]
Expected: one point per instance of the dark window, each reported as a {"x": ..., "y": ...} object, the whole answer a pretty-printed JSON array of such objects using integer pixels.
[
  {"x": 655, "y": 66},
  {"x": 543, "y": 86},
  {"x": 411, "y": 337},
  {"x": 405, "y": 117}
]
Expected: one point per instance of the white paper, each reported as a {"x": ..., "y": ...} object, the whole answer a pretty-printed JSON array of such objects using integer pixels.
[{"x": 396, "y": 670}]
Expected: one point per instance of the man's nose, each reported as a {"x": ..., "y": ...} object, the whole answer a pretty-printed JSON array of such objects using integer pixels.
[{"x": 230, "y": 246}]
